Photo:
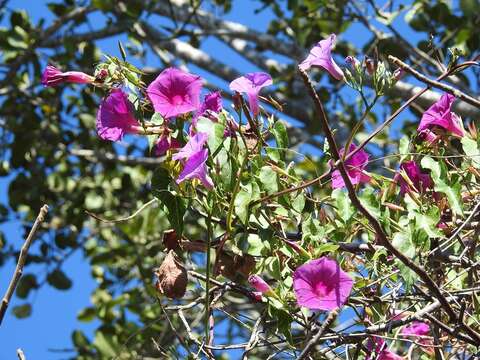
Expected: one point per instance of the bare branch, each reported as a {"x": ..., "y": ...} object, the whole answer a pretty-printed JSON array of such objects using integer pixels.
[{"x": 21, "y": 262}]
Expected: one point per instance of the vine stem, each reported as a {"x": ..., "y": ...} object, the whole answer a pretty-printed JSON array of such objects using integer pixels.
[{"x": 207, "y": 282}]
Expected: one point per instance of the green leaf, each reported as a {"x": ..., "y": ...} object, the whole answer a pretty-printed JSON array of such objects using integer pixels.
[
  {"x": 27, "y": 283},
  {"x": 87, "y": 314},
  {"x": 312, "y": 230},
  {"x": 152, "y": 140},
  {"x": 369, "y": 200},
  {"x": 247, "y": 194},
  {"x": 59, "y": 280},
  {"x": 452, "y": 191},
  {"x": 403, "y": 148},
  {"x": 403, "y": 242},
  {"x": 281, "y": 137},
  {"x": 428, "y": 223},
  {"x": 22, "y": 311},
  {"x": 79, "y": 339},
  {"x": 344, "y": 206},
  {"x": 268, "y": 178},
  {"x": 215, "y": 133},
  {"x": 106, "y": 344},
  {"x": 174, "y": 204},
  {"x": 157, "y": 119},
  {"x": 470, "y": 147}
]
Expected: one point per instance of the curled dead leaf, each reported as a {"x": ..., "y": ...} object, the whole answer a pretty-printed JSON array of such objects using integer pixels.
[{"x": 172, "y": 277}]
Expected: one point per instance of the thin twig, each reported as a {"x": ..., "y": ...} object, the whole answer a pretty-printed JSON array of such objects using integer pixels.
[
  {"x": 455, "y": 92},
  {"x": 21, "y": 355},
  {"x": 21, "y": 262},
  {"x": 130, "y": 217},
  {"x": 309, "y": 347}
]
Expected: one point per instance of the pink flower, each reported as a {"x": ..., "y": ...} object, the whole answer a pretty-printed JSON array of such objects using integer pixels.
[
  {"x": 211, "y": 104},
  {"x": 418, "y": 328},
  {"x": 321, "y": 55},
  {"x": 377, "y": 350},
  {"x": 428, "y": 135},
  {"x": 195, "y": 158},
  {"x": 251, "y": 84},
  {"x": 420, "y": 181},
  {"x": 115, "y": 117},
  {"x": 175, "y": 92},
  {"x": 354, "y": 167},
  {"x": 440, "y": 114},
  {"x": 321, "y": 284},
  {"x": 259, "y": 284},
  {"x": 164, "y": 143},
  {"x": 52, "y": 77}
]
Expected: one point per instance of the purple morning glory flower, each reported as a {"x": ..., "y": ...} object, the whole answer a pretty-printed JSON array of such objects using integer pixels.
[
  {"x": 420, "y": 181},
  {"x": 211, "y": 104},
  {"x": 175, "y": 92},
  {"x": 195, "y": 160},
  {"x": 259, "y": 284},
  {"x": 52, "y": 77},
  {"x": 378, "y": 350},
  {"x": 354, "y": 167},
  {"x": 321, "y": 55},
  {"x": 115, "y": 117},
  {"x": 321, "y": 284},
  {"x": 251, "y": 84},
  {"x": 196, "y": 168},
  {"x": 418, "y": 329},
  {"x": 193, "y": 146},
  {"x": 164, "y": 143},
  {"x": 441, "y": 115}
]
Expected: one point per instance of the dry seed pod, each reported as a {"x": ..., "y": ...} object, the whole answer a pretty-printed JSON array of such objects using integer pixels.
[{"x": 171, "y": 277}]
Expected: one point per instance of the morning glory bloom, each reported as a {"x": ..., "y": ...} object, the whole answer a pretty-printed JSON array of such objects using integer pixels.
[
  {"x": 251, "y": 84},
  {"x": 321, "y": 56},
  {"x": 441, "y": 115},
  {"x": 211, "y": 104},
  {"x": 259, "y": 284},
  {"x": 321, "y": 284},
  {"x": 420, "y": 181},
  {"x": 52, "y": 77},
  {"x": 194, "y": 145},
  {"x": 378, "y": 350},
  {"x": 115, "y": 117},
  {"x": 175, "y": 92},
  {"x": 416, "y": 329},
  {"x": 164, "y": 143},
  {"x": 194, "y": 158},
  {"x": 354, "y": 167}
]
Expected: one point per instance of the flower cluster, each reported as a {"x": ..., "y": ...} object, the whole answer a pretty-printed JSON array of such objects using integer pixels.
[{"x": 189, "y": 128}]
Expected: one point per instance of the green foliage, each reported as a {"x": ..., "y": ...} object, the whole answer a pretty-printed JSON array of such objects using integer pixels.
[{"x": 49, "y": 154}]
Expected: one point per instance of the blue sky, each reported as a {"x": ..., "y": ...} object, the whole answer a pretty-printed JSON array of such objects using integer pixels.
[{"x": 54, "y": 312}]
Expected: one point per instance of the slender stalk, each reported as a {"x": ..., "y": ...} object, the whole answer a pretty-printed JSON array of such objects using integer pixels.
[
  {"x": 21, "y": 262},
  {"x": 455, "y": 92},
  {"x": 207, "y": 282}
]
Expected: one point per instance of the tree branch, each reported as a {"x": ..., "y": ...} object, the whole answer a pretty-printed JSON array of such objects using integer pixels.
[{"x": 21, "y": 262}]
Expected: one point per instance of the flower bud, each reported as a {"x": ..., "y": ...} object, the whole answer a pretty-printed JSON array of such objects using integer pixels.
[
  {"x": 352, "y": 61},
  {"x": 164, "y": 143},
  {"x": 370, "y": 65},
  {"x": 172, "y": 277},
  {"x": 259, "y": 284},
  {"x": 52, "y": 77},
  {"x": 398, "y": 74}
]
